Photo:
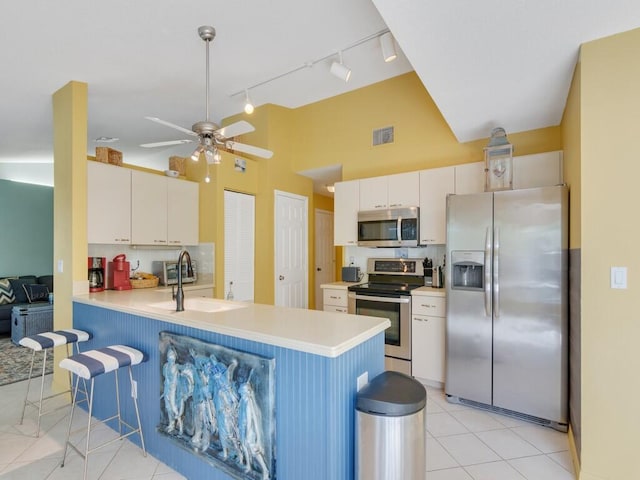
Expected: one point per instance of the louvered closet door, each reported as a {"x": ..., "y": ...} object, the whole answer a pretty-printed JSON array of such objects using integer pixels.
[{"x": 239, "y": 244}]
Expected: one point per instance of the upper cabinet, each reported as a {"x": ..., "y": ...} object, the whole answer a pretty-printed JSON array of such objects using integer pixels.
[
  {"x": 127, "y": 206},
  {"x": 182, "y": 212},
  {"x": 345, "y": 216},
  {"x": 435, "y": 185},
  {"x": 148, "y": 209},
  {"x": 538, "y": 170},
  {"x": 108, "y": 204},
  {"x": 469, "y": 178},
  {"x": 164, "y": 211},
  {"x": 391, "y": 191}
]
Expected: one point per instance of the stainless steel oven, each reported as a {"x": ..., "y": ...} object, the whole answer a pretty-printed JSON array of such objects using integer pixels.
[{"x": 388, "y": 295}]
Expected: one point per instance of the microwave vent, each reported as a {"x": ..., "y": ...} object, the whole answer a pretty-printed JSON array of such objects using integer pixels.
[{"x": 382, "y": 136}]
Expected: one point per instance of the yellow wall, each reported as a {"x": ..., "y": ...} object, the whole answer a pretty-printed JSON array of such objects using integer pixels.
[
  {"x": 610, "y": 235},
  {"x": 339, "y": 131},
  {"x": 571, "y": 156},
  {"x": 69, "y": 202}
]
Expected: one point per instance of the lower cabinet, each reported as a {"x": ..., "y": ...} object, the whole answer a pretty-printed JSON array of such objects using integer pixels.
[
  {"x": 334, "y": 300},
  {"x": 428, "y": 338}
]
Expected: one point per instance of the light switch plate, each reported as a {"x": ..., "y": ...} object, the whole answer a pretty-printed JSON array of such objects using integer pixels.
[
  {"x": 618, "y": 277},
  {"x": 362, "y": 381}
]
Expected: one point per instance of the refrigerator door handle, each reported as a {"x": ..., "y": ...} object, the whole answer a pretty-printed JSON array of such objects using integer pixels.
[
  {"x": 496, "y": 272},
  {"x": 487, "y": 273}
]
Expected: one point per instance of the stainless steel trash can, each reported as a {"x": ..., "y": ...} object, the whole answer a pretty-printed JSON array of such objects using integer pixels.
[{"x": 390, "y": 429}]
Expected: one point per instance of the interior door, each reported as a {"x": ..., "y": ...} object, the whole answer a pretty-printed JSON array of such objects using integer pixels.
[
  {"x": 291, "y": 252},
  {"x": 325, "y": 253},
  {"x": 239, "y": 245}
]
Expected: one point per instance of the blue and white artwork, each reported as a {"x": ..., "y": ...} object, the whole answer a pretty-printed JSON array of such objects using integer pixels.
[{"x": 220, "y": 404}]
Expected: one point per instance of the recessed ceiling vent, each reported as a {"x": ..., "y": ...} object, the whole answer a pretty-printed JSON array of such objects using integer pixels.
[{"x": 382, "y": 136}]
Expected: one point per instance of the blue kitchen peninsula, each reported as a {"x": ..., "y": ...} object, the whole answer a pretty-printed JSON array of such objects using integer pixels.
[{"x": 318, "y": 358}]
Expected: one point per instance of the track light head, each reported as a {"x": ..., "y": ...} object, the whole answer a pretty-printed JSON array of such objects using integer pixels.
[
  {"x": 340, "y": 70},
  {"x": 388, "y": 47}
]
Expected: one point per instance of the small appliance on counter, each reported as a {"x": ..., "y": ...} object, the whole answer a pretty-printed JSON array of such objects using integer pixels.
[
  {"x": 427, "y": 266},
  {"x": 167, "y": 272},
  {"x": 119, "y": 271},
  {"x": 96, "y": 273},
  {"x": 351, "y": 274}
]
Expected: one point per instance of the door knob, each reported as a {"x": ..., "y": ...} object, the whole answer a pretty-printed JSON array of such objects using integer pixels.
[{"x": 281, "y": 277}]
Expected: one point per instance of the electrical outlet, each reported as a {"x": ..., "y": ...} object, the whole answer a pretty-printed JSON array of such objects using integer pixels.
[
  {"x": 60, "y": 266},
  {"x": 134, "y": 389},
  {"x": 362, "y": 381}
]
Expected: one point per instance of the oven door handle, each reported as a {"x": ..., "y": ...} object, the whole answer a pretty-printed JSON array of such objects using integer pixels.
[{"x": 379, "y": 299}]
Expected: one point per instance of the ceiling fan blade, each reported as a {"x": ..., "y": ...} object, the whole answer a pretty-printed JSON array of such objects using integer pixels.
[
  {"x": 237, "y": 128},
  {"x": 250, "y": 149},
  {"x": 165, "y": 144},
  {"x": 172, "y": 125}
]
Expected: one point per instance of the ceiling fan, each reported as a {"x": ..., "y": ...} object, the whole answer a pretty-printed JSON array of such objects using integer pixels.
[{"x": 211, "y": 137}]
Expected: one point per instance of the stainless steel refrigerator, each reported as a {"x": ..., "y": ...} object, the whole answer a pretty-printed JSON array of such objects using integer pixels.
[{"x": 507, "y": 311}]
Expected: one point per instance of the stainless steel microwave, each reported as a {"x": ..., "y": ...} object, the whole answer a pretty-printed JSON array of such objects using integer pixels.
[
  {"x": 167, "y": 272},
  {"x": 393, "y": 227}
]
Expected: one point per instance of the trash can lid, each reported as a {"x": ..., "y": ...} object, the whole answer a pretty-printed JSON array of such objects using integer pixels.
[{"x": 392, "y": 393}]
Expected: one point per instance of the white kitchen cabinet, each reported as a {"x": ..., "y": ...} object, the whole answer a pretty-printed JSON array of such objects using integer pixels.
[
  {"x": 334, "y": 300},
  {"x": 537, "y": 170},
  {"x": 428, "y": 338},
  {"x": 345, "y": 213},
  {"x": 469, "y": 178},
  {"x": 435, "y": 184},
  {"x": 390, "y": 191},
  {"x": 182, "y": 212},
  {"x": 148, "y": 209},
  {"x": 374, "y": 193},
  {"x": 404, "y": 189},
  {"x": 108, "y": 204},
  {"x": 164, "y": 211}
]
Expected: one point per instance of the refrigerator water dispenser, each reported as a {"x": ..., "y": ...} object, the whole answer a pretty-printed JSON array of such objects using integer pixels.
[{"x": 468, "y": 270}]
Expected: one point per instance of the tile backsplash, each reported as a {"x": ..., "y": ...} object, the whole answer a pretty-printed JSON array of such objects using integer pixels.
[
  {"x": 141, "y": 257},
  {"x": 361, "y": 254}
]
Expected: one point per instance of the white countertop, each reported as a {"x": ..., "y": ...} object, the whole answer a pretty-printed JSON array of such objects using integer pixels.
[
  {"x": 312, "y": 331},
  {"x": 429, "y": 291}
]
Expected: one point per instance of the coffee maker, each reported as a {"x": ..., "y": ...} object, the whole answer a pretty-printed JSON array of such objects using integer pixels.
[
  {"x": 96, "y": 273},
  {"x": 118, "y": 273}
]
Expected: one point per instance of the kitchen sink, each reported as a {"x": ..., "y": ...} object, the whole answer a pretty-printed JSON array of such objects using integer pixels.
[{"x": 198, "y": 305}]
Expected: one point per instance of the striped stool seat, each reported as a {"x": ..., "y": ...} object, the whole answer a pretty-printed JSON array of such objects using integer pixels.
[
  {"x": 57, "y": 338},
  {"x": 96, "y": 362},
  {"x": 89, "y": 365},
  {"x": 43, "y": 342}
]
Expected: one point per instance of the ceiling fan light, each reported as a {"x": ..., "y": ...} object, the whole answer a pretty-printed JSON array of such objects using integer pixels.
[
  {"x": 341, "y": 71},
  {"x": 216, "y": 156},
  {"x": 388, "y": 47},
  {"x": 208, "y": 154},
  {"x": 195, "y": 156},
  {"x": 248, "y": 106}
]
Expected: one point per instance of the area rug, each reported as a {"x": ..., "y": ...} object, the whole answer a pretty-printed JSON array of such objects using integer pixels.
[{"x": 15, "y": 361}]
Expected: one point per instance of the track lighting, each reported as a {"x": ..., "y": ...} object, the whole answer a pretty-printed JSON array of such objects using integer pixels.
[
  {"x": 248, "y": 106},
  {"x": 340, "y": 70},
  {"x": 388, "y": 47}
]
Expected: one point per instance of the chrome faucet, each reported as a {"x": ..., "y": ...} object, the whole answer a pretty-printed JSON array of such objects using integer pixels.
[{"x": 179, "y": 295}]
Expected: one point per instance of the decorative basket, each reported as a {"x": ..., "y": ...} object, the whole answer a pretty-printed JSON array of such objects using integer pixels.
[
  {"x": 108, "y": 155},
  {"x": 178, "y": 164},
  {"x": 144, "y": 282}
]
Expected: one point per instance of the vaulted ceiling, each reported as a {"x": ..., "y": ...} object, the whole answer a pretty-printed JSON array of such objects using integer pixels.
[{"x": 485, "y": 63}]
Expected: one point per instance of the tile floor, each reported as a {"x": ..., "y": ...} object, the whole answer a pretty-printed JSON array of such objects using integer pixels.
[{"x": 462, "y": 444}]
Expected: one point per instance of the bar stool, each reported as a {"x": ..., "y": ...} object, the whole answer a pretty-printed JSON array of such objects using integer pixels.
[
  {"x": 89, "y": 365},
  {"x": 43, "y": 342}
]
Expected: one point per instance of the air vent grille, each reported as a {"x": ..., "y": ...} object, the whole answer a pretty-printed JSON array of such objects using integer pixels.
[{"x": 382, "y": 136}]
